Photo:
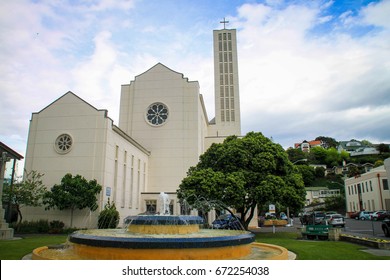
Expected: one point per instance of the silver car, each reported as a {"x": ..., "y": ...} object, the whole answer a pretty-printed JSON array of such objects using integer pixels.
[{"x": 335, "y": 220}]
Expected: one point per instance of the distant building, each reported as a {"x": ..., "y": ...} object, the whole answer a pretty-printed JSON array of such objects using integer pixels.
[
  {"x": 356, "y": 148},
  {"x": 368, "y": 191},
  {"x": 343, "y": 170},
  {"x": 318, "y": 194},
  {"x": 305, "y": 146}
]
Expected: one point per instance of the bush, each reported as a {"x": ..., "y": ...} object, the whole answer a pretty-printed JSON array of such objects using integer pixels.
[
  {"x": 56, "y": 227},
  {"x": 109, "y": 217},
  {"x": 41, "y": 226}
]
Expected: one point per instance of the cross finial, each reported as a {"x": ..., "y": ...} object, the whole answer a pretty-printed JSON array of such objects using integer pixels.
[{"x": 224, "y": 23}]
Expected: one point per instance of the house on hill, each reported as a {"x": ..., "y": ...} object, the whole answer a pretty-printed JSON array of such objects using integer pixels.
[
  {"x": 305, "y": 146},
  {"x": 356, "y": 148}
]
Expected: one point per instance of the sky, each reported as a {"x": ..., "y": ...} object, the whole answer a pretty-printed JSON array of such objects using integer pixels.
[{"x": 306, "y": 68}]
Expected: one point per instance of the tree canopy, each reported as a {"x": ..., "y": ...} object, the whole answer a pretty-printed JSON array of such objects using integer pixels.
[
  {"x": 73, "y": 193},
  {"x": 308, "y": 174},
  {"x": 29, "y": 192},
  {"x": 242, "y": 173},
  {"x": 328, "y": 142}
]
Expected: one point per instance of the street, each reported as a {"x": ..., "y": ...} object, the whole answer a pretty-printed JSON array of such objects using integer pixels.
[
  {"x": 353, "y": 227},
  {"x": 372, "y": 228}
]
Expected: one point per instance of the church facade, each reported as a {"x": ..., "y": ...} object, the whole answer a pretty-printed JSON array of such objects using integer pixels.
[{"x": 163, "y": 129}]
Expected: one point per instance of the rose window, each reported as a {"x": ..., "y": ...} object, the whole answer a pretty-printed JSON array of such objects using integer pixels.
[{"x": 157, "y": 114}]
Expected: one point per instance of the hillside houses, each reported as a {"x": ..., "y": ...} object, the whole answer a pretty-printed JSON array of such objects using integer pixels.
[{"x": 356, "y": 148}]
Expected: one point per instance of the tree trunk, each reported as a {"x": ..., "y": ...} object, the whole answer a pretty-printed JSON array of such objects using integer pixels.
[
  {"x": 71, "y": 217},
  {"x": 250, "y": 217},
  {"x": 20, "y": 215}
]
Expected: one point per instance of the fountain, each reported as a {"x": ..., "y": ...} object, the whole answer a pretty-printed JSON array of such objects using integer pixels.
[{"x": 161, "y": 237}]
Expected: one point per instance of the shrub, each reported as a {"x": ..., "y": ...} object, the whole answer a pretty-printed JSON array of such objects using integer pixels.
[
  {"x": 109, "y": 217},
  {"x": 56, "y": 226},
  {"x": 41, "y": 226}
]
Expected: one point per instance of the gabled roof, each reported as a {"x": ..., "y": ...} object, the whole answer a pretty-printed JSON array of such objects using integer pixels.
[
  {"x": 76, "y": 96},
  {"x": 312, "y": 143},
  {"x": 160, "y": 65},
  {"x": 352, "y": 144},
  {"x": 10, "y": 152},
  {"x": 114, "y": 127}
]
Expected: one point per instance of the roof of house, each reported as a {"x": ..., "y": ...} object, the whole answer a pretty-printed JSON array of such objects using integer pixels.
[
  {"x": 10, "y": 152},
  {"x": 312, "y": 143}
]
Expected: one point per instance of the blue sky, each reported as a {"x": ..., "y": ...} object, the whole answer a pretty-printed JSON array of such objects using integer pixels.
[{"x": 306, "y": 68}]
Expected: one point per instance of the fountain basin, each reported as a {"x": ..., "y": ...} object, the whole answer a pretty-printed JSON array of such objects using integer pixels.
[
  {"x": 203, "y": 245},
  {"x": 161, "y": 238}
]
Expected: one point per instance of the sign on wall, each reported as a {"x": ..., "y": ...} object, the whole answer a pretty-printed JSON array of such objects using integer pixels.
[{"x": 108, "y": 191}]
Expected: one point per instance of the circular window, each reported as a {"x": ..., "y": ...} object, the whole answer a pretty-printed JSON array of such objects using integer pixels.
[
  {"x": 63, "y": 143},
  {"x": 157, "y": 114}
]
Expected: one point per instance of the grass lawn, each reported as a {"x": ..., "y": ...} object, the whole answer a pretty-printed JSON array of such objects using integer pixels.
[
  {"x": 317, "y": 250},
  {"x": 17, "y": 249},
  {"x": 305, "y": 249}
]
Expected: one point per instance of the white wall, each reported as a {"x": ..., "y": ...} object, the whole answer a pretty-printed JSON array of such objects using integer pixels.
[
  {"x": 372, "y": 195},
  {"x": 175, "y": 145},
  {"x": 92, "y": 154}
]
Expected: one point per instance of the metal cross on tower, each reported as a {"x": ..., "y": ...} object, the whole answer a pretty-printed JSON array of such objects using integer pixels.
[{"x": 224, "y": 23}]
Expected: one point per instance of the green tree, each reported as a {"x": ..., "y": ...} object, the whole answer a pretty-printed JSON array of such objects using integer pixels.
[
  {"x": 29, "y": 192},
  {"x": 109, "y": 217},
  {"x": 318, "y": 154},
  {"x": 383, "y": 148},
  {"x": 353, "y": 171},
  {"x": 367, "y": 143},
  {"x": 333, "y": 157},
  {"x": 242, "y": 173},
  {"x": 295, "y": 154},
  {"x": 319, "y": 172},
  {"x": 378, "y": 163},
  {"x": 308, "y": 174},
  {"x": 329, "y": 142},
  {"x": 335, "y": 203},
  {"x": 344, "y": 155},
  {"x": 73, "y": 193}
]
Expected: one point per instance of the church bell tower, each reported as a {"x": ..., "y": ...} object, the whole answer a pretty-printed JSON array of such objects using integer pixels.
[{"x": 227, "y": 97}]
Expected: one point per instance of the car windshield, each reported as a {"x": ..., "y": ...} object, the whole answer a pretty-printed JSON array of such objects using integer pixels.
[
  {"x": 225, "y": 217},
  {"x": 337, "y": 216}
]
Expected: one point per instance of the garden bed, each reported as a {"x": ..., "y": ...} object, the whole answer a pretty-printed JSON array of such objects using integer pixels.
[
  {"x": 367, "y": 241},
  {"x": 278, "y": 223}
]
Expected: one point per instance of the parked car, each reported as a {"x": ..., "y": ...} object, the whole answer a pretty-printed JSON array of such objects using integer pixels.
[
  {"x": 355, "y": 215},
  {"x": 386, "y": 227},
  {"x": 283, "y": 216},
  {"x": 336, "y": 220},
  {"x": 311, "y": 218},
  {"x": 383, "y": 215},
  {"x": 227, "y": 221},
  {"x": 365, "y": 215},
  {"x": 376, "y": 214},
  {"x": 269, "y": 215}
]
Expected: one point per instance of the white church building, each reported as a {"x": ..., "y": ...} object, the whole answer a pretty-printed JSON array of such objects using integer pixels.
[{"x": 163, "y": 129}]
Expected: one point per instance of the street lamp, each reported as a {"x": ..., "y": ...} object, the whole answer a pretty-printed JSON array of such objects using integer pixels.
[
  {"x": 302, "y": 159},
  {"x": 334, "y": 182},
  {"x": 290, "y": 221},
  {"x": 345, "y": 194}
]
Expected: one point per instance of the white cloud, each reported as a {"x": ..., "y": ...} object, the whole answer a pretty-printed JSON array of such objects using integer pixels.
[
  {"x": 294, "y": 84},
  {"x": 377, "y": 14}
]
